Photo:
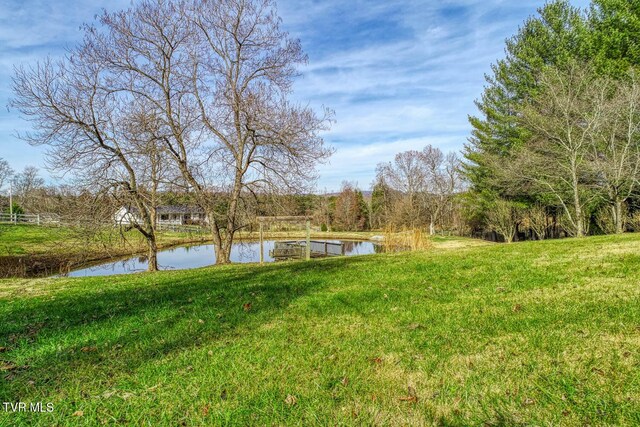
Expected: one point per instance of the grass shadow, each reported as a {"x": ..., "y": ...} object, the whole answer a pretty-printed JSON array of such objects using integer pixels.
[{"x": 114, "y": 324}]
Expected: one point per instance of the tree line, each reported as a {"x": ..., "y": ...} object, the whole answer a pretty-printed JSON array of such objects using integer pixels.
[
  {"x": 556, "y": 148},
  {"x": 24, "y": 185}
]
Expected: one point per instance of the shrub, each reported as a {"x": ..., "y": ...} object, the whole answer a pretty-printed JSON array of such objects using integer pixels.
[{"x": 17, "y": 209}]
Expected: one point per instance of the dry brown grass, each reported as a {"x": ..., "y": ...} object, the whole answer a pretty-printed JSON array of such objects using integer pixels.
[{"x": 407, "y": 239}]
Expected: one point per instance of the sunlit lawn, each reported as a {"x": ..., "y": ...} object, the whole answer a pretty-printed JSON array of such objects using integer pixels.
[
  {"x": 36, "y": 240},
  {"x": 537, "y": 333}
]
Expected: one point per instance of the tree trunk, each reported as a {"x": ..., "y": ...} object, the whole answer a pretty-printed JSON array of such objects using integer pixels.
[
  {"x": 219, "y": 246},
  {"x": 617, "y": 216},
  {"x": 578, "y": 208},
  {"x": 578, "y": 222},
  {"x": 153, "y": 253},
  {"x": 222, "y": 254},
  {"x": 508, "y": 236},
  {"x": 227, "y": 248},
  {"x": 432, "y": 229}
]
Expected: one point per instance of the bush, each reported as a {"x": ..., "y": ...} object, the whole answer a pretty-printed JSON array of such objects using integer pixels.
[
  {"x": 17, "y": 209},
  {"x": 634, "y": 221},
  {"x": 605, "y": 221}
]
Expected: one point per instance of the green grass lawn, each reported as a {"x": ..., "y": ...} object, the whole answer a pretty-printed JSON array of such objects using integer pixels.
[
  {"x": 24, "y": 239},
  {"x": 536, "y": 333}
]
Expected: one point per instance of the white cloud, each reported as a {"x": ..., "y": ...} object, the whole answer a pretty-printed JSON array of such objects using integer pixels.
[{"x": 358, "y": 162}]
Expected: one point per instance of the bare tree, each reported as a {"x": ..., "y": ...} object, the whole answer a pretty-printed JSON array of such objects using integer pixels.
[
  {"x": 25, "y": 184},
  {"x": 634, "y": 220},
  {"x": 616, "y": 151},
  {"x": 406, "y": 175},
  {"x": 350, "y": 210},
  {"x": 563, "y": 120},
  {"x": 537, "y": 218},
  {"x": 426, "y": 182},
  {"x": 322, "y": 213},
  {"x": 218, "y": 73},
  {"x": 503, "y": 218},
  {"x": 87, "y": 126},
  {"x": 5, "y": 172},
  {"x": 442, "y": 181}
]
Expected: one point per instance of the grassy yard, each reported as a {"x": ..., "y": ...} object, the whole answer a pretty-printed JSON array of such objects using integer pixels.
[
  {"x": 35, "y": 240},
  {"x": 536, "y": 333}
]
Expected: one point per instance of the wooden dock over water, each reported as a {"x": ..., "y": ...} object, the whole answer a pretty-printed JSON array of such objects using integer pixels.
[{"x": 297, "y": 249}]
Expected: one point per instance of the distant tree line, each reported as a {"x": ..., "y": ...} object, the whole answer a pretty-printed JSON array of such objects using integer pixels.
[{"x": 25, "y": 187}]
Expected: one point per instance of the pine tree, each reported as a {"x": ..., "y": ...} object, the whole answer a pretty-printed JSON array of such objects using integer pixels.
[{"x": 556, "y": 36}]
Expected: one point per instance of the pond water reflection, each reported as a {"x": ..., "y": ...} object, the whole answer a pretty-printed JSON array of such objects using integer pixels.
[{"x": 186, "y": 257}]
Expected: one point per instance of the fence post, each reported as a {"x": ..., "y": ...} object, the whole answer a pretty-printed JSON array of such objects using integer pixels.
[
  {"x": 38, "y": 219},
  {"x": 308, "y": 248},
  {"x": 261, "y": 245}
]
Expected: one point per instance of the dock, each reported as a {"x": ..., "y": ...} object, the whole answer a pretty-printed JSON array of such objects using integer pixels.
[{"x": 296, "y": 249}]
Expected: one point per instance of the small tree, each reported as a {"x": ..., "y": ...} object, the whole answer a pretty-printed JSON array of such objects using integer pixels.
[
  {"x": 5, "y": 172},
  {"x": 25, "y": 184},
  {"x": 538, "y": 220},
  {"x": 15, "y": 208},
  {"x": 441, "y": 183},
  {"x": 503, "y": 218},
  {"x": 380, "y": 204},
  {"x": 350, "y": 210},
  {"x": 634, "y": 221}
]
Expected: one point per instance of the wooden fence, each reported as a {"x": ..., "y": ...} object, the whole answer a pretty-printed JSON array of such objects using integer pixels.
[
  {"x": 178, "y": 228},
  {"x": 6, "y": 218}
]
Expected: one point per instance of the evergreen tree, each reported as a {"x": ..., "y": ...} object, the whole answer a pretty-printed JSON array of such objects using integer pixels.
[
  {"x": 379, "y": 204},
  {"x": 556, "y": 36},
  {"x": 615, "y": 35},
  {"x": 362, "y": 212}
]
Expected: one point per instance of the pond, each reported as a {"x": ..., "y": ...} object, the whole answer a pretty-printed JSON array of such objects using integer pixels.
[{"x": 186, "y": 257}]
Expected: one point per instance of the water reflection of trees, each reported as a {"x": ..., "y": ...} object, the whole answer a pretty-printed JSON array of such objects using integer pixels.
[
  {"x": 360, "y": 248},
  {"x": 350, "y": 246},
  {"x": 243, "y": 251},
  {"x": 247, "y": 251}
]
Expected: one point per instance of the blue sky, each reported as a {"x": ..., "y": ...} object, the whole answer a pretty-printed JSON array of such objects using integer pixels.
[{"x": 399, "y": 74}]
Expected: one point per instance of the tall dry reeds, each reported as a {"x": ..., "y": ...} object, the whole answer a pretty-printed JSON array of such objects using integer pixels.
[{"x": 406, "y": 240}]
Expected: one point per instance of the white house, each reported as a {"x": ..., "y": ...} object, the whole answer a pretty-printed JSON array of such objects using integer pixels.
[{"x": 166, "y": 215}]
